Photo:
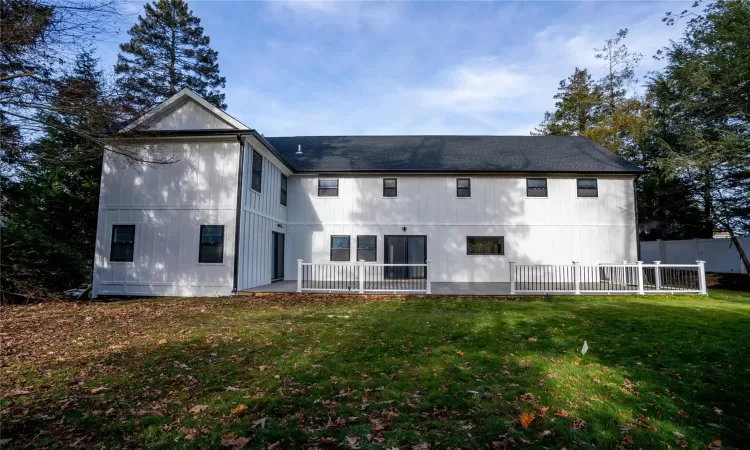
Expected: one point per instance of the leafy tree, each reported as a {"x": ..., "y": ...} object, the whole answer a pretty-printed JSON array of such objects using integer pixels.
[
  {"x": 576, "y": 110},
  {"x": 167, "y": 52},
  {"x": 702, "y": 103},
  {"x": 51, "y": 199}
]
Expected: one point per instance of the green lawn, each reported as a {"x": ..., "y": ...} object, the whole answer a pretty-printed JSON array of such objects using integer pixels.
[{"x": 351, "y": 372}]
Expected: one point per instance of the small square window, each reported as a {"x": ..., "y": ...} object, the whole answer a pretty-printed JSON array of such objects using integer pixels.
[
  {"x": 328, "y": 187},
  {"x": 390, "y": 187},
  {"x": 257, "y": 178},
  {"x": 587, "y": 187},
  {"x": 485, "y": 245},
  {"x": 340, "y": 248},
  {"x": 536, "y": 187},
  {"x": 282, "y": 195},
  {"x": 463, "y": 187},
  {"x": 367, "y": 248},
  {"x": 123, "y": 243},
  {"x": 211, "y": 244}
]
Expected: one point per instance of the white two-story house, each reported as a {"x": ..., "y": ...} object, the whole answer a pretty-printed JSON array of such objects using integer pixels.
[{"x": 237, "y": 210}]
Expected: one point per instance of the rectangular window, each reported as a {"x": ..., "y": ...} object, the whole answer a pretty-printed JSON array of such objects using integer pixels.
[
  {"x": 123, "y": 242},
  {"x": 587, "y": 187},
  {"x": 367, "y": 248},
  {"x": 340, "y": 248},
  {"x": 390, "y": 187},
  {"x": 257, "y": 178},
  {"x": 328, "y": 188},
  {"x": 485, "y": 245},
  {"x": 463, "y": 187},
  {"x": 282, "y": 195},
  {"x": 211, "y": 244},
  {"x": 536, "y": 187}
]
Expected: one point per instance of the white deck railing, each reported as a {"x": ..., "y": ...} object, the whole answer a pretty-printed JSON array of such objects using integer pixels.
[
  {"x": 362, "y": 277},
  {"x": 633, "y": 278}
]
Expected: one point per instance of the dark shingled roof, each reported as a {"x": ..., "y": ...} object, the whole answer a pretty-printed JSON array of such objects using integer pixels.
[{"x": 449, "y": 154}]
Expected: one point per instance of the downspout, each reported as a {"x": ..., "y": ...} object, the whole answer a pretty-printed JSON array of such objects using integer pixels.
[
  {"x": 637, "y": 224},
  {"x": 238, "y": 214}
]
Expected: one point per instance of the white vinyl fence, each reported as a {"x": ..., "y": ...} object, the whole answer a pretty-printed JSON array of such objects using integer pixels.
[
  {"x": 721, "y": 255},
  {"x": 363, "y": 277},
  {"x": 634, "y": 278}
]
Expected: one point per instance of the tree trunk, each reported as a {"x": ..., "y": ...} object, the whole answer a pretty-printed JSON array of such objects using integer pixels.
[
  {"x": 738, "y": 246},
  {"x": 708, "y": 206}
]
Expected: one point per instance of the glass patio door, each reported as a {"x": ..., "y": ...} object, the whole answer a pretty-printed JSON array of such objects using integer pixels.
[{"x": 405, "y": 250}]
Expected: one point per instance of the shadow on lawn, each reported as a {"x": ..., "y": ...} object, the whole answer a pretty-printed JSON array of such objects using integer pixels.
[{"x": 450, "y": 373}]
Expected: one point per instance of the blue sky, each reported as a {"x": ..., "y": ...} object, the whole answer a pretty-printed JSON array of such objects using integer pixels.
[{"x": 326, "y": 68}]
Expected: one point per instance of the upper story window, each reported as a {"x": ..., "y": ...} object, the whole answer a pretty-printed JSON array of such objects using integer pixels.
[
  {"x": 211, "y": 244},
  {"x": 463, "y": 187},
  {"x": 123, "y": 242},
  {"x": 257, "y": 178},
  {"x": 282, "y": 194},
  {"x": 340, "y": 248},
  {"x": 536, "y": 187},
  {"x": 587, "y": 187},
  {"x": 328, "y": 187},
  {"x": 390, "y": 187}
]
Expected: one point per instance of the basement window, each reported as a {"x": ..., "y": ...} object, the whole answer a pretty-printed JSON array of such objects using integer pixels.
[
  {"x": 123, "y": 242},
  {"x": 211, "y": 244},
  {"x": 587, "y": 187},
  {"x": 340, "y": 248}
]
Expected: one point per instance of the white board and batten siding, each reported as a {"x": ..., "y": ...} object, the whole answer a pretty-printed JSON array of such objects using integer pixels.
[
  {"x": 554, "y": 230},
  {"x": 262, "y": 214},
  {"x": 168, "y": 204}
]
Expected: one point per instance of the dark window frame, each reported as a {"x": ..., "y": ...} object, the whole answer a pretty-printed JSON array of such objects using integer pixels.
[
  {"x": 283, "y": 184},
  {"x": 502, "y": 246},
  {"x": 374, "y": 249},
  {"x": 328, "y": 188},
  {"x": 595, "y": 189},
  {"x": 387, "y": 189},
  {"x": 256, "y": 178},
  {"x": 530, "y": 189},
  {"x": 201, "y": 244},
  {"x": 467, "y": 189},
  {"x": 113, "y": 244},
  {"x": 348, "y": 249}
]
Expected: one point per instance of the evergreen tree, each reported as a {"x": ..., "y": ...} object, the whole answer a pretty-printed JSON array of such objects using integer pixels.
[
  {"x": 51, "y": 199},
  {"x": 167, "y": 52},
  {"x": 576, "y": 110},
  {"x": 702, "y": 102}
]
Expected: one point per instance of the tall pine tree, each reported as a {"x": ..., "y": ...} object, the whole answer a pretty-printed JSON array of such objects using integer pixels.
[{"x": 167, "y": 52}]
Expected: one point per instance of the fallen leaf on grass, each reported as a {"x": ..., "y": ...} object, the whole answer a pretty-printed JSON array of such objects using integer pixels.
[
  {"x": 526, "y": 419},
  {"x": 423, "y": 446},
  {"x": 230, "y": 440},
  {"x": 459, "y": 352},
  {"x": 578, "y": 424},
  {"x": 162, "y": 342},
  {"x": 718, "y": 411},
  {"x": 529, "y": 397},
  {"x": 239, "y": 409},
  {"x": 275, "y": 446},
  {"x": 326, "y": 440},
  {"x": 562, "y": 413},
  {"x": 198, "y": 409},
  {"x": 683, "y": 443},
  {"x": 532, "y": 339},
  {"x": 260, "y": 422},
  {"x": 99, "y": 389},
  {"x": 353, "y": 442}
]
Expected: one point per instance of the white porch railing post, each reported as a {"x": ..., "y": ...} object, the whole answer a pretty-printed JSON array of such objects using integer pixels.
[
  {"x": 640, "y": 277},
  {"x": 511, "y": 265},
  {"x": 657, "y": 275},
  {"x": 361, "y": 276},
  {"x": 299, "y": 275},
  {"x": 702, "y": 276},
  {"x": 577, "y": 277},
  {"x": 428, "y": 276}
]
